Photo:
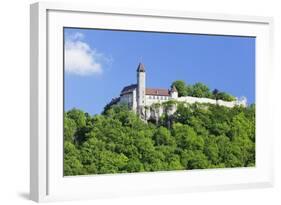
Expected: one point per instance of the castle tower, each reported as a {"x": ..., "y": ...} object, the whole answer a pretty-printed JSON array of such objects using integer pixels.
[
  {"x": 140, "y": 87},
  {"x": 174, "y": 92}
]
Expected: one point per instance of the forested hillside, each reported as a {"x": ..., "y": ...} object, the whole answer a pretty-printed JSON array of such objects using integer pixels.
[{"x": 196, "y": 136}]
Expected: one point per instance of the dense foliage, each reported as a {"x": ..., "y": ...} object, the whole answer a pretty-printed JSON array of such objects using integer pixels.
[
  {"x": 200, "y": 90},
  {"x": 197, "y": 136}
]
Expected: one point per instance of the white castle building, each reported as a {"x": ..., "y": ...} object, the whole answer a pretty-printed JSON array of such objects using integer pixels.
[{"x": 138, "y": 96}]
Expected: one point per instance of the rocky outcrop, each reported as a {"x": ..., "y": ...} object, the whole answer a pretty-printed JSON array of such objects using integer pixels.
[{"x": 155, "y": 111}]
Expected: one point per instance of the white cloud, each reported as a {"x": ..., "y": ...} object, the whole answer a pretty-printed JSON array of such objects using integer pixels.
[{"x": 81, "y": 59}]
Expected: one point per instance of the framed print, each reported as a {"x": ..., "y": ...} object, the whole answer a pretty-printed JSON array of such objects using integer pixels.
[{"x": 129, "y": 102}]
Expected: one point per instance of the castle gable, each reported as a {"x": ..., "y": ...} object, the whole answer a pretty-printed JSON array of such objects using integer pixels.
[{"x": 128, "y": 89}]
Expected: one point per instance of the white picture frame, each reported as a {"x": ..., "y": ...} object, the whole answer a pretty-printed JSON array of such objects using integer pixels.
[{"x": 46, "y": 57}]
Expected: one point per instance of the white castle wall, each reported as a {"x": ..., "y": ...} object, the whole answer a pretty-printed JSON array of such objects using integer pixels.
[
  {"x": 191, "y": 100},
  {"x": 155, "y": 112},
  {"x": 150, "y": 101},
  {"x": 231, "y": 104},
  {"x": 130, "y": 100},
  {"x": 126, "y": 99},
  {"x": 135, "y": 100}
]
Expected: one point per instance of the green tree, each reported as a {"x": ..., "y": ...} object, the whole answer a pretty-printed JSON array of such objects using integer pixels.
[
  {"x": 181, "y": 87},
  {"x": 201, "y": 90},
  {"x": 211, "y": 150},
  {"x": 69, "y": 129},
  {"x": 134, "y": 165},
  {"x": 187, "y": 138},
  {"x": 225, "y": 96},
  {"x": 111, "y": 162},
  {"x": 194, "y": 159},
  {"x": 71, "y": 163},
  {"x": 163, "y": 137},
  {"x": 78, "y": 116}
]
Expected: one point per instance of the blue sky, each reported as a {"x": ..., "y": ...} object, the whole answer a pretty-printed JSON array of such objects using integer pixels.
[{"x": 99, "y": 63}]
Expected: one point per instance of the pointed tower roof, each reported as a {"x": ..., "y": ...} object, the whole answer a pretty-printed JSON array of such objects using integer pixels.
[
  {"x": 174, "y": 89},
  {"x": 141, "y": 68}
]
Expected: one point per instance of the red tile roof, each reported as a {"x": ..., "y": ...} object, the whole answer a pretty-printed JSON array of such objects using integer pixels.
[
  {"x": 148, "y": 91},
  {"x": 157, "y": 91}
]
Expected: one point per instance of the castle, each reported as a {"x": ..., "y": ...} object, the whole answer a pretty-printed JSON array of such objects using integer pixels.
[{"x": 138, "y": 96}]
